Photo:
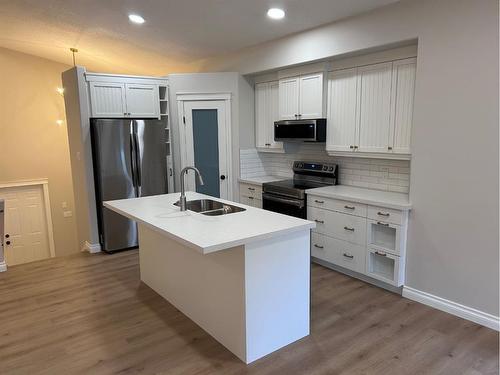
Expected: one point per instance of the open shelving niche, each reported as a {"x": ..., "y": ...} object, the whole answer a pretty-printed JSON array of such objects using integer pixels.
[{"x": 165, "y": 115}]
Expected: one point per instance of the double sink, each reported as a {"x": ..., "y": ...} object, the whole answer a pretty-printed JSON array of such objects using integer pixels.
[{"x": 210, "y": 207}]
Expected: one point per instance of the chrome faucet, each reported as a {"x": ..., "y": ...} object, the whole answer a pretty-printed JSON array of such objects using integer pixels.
[{"x": 182, "y": 199}]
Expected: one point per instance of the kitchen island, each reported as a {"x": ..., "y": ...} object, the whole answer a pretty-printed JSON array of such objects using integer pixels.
[{"x": 243, "y": 277}]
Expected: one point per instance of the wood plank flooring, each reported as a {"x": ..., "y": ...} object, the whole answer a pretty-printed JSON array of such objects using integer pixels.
[{"x": 90, "y": 314}]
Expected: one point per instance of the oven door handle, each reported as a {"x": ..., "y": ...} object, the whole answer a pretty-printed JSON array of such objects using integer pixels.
[{"x": 292, "y": 202}]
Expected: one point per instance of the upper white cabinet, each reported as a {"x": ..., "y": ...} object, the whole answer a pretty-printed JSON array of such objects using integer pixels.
[
  {"x": 107, "y": 99},
  {"x": 266, "y": 113},
  {"x": 374, "y": 108},
  {"x": 301, "y": 97},
  {"x": 370, "y": 110},
  {"x": 123, "y": 99},
  {"x": 403, "y": 83},
  {"x": 142, "y": 100}
]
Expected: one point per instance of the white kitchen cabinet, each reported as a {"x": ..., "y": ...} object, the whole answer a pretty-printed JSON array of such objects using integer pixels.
[
  {"x": 301, "y": 97},
  {"x": 403, "y": 84},
  {"x": 341, "y": 110},
  {"x": 122, "y": 99},
  {"x": 266, "y": 113},
  {"x": 370, "y": 110},
  {"x": 251, "y": 194},
  {"x": 289, "y": 98},
  {"x": 107, "y": 99},
  {"x": 374, "y": 107},
  {"x": 353, "y": 236},
  {"x": 311, "y": 96},
  {"x": 142, "y": 100}
]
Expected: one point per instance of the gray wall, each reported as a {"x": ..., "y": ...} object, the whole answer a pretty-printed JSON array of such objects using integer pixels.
[
  {"x": 241, "y": 110},
  {"x": 453, "y": 248}
]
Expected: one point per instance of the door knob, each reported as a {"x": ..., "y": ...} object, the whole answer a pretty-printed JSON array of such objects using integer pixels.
[
  {"x": 7, "y": 242},
  {"x": 222, "y": 177}
]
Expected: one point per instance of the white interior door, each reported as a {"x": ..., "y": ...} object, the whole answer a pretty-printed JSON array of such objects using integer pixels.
[
  {"x": 26, "y": 232},
  {"x": 207, "y": 146}
]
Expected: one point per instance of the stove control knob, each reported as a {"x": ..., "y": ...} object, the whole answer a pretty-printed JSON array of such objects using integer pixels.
[
  {"x": 325, "y": 167},
  {"x": 330, "y": 169},
  {"x": 301, "y": 165}
]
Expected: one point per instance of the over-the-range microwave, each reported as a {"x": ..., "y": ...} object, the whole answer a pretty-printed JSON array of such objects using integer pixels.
[{"x": 300, "y": 130}]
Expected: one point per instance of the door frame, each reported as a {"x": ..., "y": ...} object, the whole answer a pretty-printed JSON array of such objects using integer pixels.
[
  {"x": 199, "y": 97},
  {"x": 44, "y": 182}
]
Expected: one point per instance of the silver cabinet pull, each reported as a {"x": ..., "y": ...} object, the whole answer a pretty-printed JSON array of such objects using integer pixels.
[
  {"x": 381, "y": 254},
  {"x": 386, "y": 214},
  {"x": 351, "y": 147},
  {"x": 317, "y": 201},
  {"x": 349, "y": 229},
  {"x": 348, "y": 255},
  {"x": 268, "y": 144},
  {"x": 319, "y": 221},
  {"x": 384, "y": 224},
  {"x": 250, "y": 197},
  {"x": 349, "y": 207},
  {"x": 318, "y": 246},
  {"x": 389, "y": 147},
  {"x": 250, "y": 188}
]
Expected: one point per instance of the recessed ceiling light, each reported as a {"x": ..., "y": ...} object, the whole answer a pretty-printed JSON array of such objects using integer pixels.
[
  {"x": 276, "y": 13},
  {"x": 135, "y": 18}
]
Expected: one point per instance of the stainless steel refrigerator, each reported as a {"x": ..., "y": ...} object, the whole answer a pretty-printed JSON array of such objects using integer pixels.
[{"x": 130, "y": 160}]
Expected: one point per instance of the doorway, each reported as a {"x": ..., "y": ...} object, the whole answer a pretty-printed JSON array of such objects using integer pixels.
[
  {"x": 27, "y": 227},
  {"x": 206, "y": 143}
]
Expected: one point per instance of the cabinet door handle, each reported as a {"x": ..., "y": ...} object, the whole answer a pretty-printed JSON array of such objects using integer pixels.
[
  {"x": 349, "y": 229},
  {"x": 350, "y": 207},
  {"x": 389, "y": 148},
  {"x": 348, "y": 255},
  {"x": 268, "y": 144},
  {"x": 318, "y": 246},
  {"x": 317, "y": 201},
  {"x": 386, "y": 214},
  {"x": 319, "y": 221},
  {"x": 384, "y": 224},
  {"x": 251, "y": 188},
  {"x": 381, "y": 254},
  {"x": 351, "y": 147},
  {"x": 250, "y": 197},
  {"x": 355, "y": 147}
]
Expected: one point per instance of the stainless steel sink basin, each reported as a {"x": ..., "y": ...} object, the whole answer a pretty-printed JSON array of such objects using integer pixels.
[{"x": 210, "y": 207}]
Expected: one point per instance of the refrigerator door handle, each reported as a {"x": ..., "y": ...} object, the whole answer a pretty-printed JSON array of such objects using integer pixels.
[
  {"x": 133, "y": 162},
  {"x": 138, "y": 163}
]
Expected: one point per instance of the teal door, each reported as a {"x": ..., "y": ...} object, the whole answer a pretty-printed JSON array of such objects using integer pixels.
[{"x": 206, "y": 150}]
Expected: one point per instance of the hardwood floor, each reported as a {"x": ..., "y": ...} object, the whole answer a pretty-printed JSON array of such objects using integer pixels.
[{"x": 90, "y": 314}]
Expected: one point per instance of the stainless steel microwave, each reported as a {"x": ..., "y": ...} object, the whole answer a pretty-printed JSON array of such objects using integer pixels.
[{"x": 300, "y": 130}]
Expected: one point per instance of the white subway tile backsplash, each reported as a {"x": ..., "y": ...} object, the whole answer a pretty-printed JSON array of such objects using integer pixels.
[{"x": 380, "y": 174}]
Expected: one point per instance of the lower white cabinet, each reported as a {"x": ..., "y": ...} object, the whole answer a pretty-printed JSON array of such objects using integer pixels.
[
  {"x": 354, "y": 236},
  {"x": 251, "y": 194}
]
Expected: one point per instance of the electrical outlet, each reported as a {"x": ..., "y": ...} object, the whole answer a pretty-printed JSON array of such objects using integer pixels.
[{"x": 68, "y": 213}]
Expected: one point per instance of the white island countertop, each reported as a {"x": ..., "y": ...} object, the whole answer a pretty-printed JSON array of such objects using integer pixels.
[
  {"x": 388, "y": 199},
  {"x": 204, "y": 233}
]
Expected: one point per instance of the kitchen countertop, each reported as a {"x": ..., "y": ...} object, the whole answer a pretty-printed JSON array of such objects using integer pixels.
[
  {"x": 398, "y": 201},
  {"x": 206, "y": 234},
  {"x": 261, "y": 179}
]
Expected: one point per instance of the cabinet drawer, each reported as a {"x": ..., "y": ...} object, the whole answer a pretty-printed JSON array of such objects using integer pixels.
[
  {"x": 341, "y": 253},
  {"x": 341, "y": 226},
  {"x": 251, "y": 201},
  {"x": 347, "y": 207},
  {"x": 249, "y": 190},
  {"x": 385, "y": 237},
  {"x": 385, "y": 267},
  {"x": 387, "y": 215}
]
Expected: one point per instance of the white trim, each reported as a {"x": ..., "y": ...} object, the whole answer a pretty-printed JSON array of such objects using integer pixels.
[
  {"x": 375, "y": 155},
  {"x": 3, "y": 266},
  {"x": 462, "y": 311},
  {"x": 217, "y": 96},
  {"x": 92, "y": 248},
  {"x": 44, "y": 182},
  {"x": 195, "y": 96}
]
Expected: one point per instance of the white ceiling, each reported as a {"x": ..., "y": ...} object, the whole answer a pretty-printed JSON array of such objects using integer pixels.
[{"x": 176, "y": 36}]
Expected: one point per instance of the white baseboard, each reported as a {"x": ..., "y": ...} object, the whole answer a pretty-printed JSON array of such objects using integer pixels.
[
  {"x": 469, "y": 313},
  {"x": 92, "y": 248},
  {"x": 3, "y": 266}
]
